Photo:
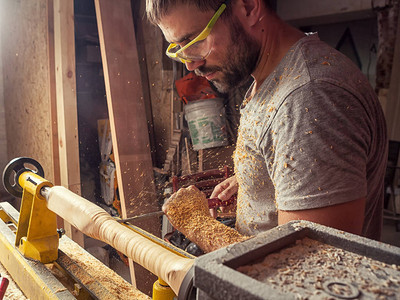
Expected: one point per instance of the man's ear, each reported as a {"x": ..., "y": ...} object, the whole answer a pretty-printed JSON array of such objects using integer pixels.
[{"x": 249, "y": 11}]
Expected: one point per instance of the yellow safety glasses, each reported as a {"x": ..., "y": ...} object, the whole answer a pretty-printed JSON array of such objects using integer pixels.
[{"x": 197, "y": 49}]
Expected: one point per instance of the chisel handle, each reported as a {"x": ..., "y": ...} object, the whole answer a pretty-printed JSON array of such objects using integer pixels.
[{"x": 3, "y": 286}]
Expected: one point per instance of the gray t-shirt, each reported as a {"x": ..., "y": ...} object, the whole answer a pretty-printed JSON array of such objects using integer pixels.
[{"x": 314, "y": 135}]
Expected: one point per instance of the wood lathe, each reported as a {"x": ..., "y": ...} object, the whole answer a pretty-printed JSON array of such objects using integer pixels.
[
  {"x": 296, "y": 260},
  {"x": 36, "y": 238}
]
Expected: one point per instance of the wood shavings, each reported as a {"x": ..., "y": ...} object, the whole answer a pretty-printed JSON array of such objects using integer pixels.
[
  {"x": 309, "y": 267},
  {"x": 89, "y": 271},
  {"x": 13, "y": 292}
]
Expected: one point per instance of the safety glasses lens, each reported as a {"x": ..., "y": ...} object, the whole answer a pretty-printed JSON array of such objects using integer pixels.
[
  {"x": 195, "y": 52},
  {"x": 174, "y": 49}
]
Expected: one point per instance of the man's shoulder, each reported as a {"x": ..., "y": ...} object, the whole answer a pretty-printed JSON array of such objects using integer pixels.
[{"x": 322, "y": 62}]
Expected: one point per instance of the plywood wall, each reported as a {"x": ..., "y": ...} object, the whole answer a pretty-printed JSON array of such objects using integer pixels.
[
  {"x": 26, "y": 84},
  {"x": 3, "y": 136}
]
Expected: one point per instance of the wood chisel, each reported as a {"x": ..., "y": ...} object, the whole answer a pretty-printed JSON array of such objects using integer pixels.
[{"x": 144, "y": 216}]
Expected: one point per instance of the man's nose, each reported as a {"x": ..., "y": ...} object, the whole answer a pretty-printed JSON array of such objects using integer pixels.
[{"x": 191, "y": 66}]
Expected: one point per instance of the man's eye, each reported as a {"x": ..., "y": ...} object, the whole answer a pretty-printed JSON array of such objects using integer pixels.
[{"x": 185, "y": 42}]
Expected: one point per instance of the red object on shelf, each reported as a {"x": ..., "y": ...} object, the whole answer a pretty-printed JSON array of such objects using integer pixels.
[
  {"x": 192, "y": 87},
  {"x": 3, "y": 286},
  {"x": 205, "y": 182},
  {"x": 215, "y": 202}
]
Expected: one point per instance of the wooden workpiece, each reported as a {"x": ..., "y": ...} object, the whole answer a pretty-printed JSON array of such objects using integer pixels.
[{"x": 97, "y": 223}]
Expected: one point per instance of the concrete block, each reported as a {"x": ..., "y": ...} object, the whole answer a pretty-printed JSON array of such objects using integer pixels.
[{"x": 216, "y": 276}]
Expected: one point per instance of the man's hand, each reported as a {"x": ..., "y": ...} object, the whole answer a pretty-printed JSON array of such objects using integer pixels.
[
  {"x": 224, "y": 191},
  {"x": 188, "y": 212},
  {"x": 183, "y": 204}
]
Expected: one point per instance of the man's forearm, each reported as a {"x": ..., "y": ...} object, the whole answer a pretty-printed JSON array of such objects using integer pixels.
[
  {"x": 209, "y": 234},
  {"x": 188, "y": 212}
]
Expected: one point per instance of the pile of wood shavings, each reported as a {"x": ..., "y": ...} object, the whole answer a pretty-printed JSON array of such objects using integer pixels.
[
  {"x": 90, "y": 271},
  {"x": 303, "y": 269},
  {"x": 13, "y": 292}
]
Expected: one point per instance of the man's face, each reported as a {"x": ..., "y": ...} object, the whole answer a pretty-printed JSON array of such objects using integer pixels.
[{"x": 233, "y": 54}]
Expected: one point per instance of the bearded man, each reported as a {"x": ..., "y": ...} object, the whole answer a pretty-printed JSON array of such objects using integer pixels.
[{"x": 312, "y": 139}]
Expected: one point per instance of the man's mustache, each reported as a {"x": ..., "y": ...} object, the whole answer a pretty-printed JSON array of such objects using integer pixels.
[{"x": 203, "y": 71}]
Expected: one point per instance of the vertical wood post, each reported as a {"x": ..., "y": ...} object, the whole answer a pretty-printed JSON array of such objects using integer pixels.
[
  {"x": 67, "y": 118},
  {"x": 393, "y": 105},
  {"x": 127, "y": 116}
]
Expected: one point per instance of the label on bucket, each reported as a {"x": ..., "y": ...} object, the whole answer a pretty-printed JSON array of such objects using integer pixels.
[
  {"x": 206, "y": 133},
  {"x": 206, "y": 120}
]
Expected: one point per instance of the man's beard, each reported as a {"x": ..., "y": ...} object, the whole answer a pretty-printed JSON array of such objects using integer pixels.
[{"x": 241, "y": 60}]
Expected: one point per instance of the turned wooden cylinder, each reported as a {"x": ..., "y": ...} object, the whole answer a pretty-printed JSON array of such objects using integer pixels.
[{"x": 97, "y": 223}]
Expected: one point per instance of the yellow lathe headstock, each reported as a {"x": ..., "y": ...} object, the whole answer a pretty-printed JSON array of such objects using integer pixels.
[{"x": 37, "y": 235}]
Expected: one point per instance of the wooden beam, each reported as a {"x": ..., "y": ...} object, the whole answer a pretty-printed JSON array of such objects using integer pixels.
[
  {"x": 160, "y": 77},
  {"x": 67, "y": 118},
  {"x": 52, "y": 92},
  {"x": 3, "y": 133},
  {"x": 393, "y": 105},
  {"x": 140, "y": 28},
  {"x": 53, "y": 100},
  {"x": 127, "y": 115}
]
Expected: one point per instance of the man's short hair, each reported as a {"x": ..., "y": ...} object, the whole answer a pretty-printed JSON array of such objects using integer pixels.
[{"x": 156, "y": 9}]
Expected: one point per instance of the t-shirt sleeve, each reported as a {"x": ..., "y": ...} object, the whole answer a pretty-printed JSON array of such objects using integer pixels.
[{"x": 316, "y": 147}]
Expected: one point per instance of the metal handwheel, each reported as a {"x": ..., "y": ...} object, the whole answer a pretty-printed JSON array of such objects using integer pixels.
[{"x": 14, "y": 169}]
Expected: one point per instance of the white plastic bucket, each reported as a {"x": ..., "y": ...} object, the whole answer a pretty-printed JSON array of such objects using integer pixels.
[{"x": 206, "y": 120}]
